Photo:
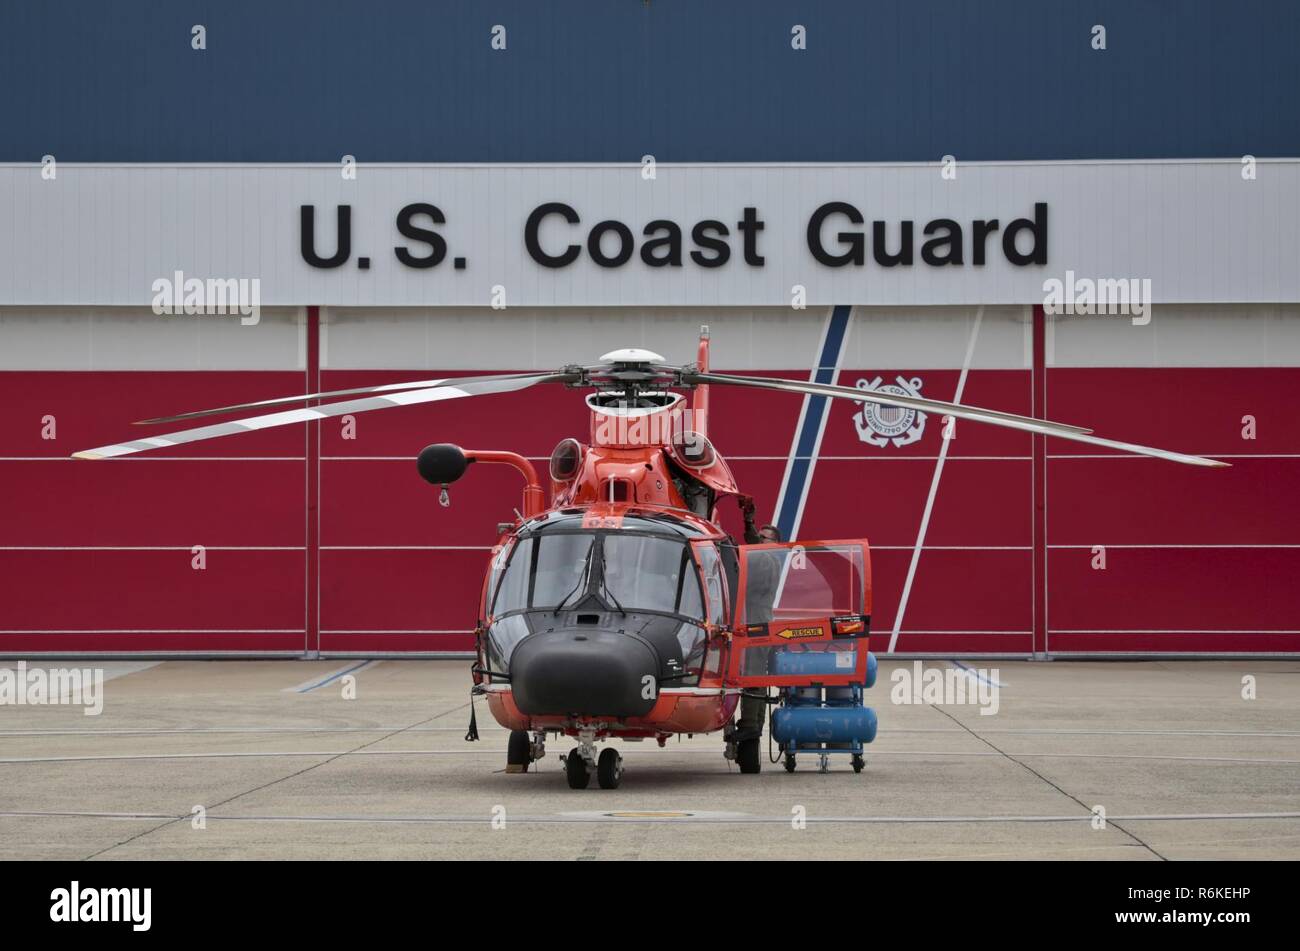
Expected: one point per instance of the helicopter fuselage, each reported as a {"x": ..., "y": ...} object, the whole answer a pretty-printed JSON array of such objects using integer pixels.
[
  {"x": 623, "y": 609},
  {"x": 597, "y": 618}
]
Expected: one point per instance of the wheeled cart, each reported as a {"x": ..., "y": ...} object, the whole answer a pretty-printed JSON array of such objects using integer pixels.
[{"x": 822, "y": 720}]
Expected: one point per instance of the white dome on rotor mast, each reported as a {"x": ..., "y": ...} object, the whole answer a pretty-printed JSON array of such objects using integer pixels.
[{"x": 631, "y": 355}]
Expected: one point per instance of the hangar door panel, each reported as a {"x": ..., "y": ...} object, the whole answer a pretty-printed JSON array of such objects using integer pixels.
[
  {"x": 1148, "y": 556},
  {"x": 199, "y": 549}
]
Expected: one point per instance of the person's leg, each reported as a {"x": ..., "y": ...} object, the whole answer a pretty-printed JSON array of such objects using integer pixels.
[{"x": 752, "y": 711}]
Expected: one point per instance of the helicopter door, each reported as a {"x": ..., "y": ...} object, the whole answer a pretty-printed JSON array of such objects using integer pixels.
[{"x": 803, "y": 613}]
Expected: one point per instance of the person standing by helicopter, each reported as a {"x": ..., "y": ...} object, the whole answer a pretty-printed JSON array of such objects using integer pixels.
[{"x": 764, "y": 576}]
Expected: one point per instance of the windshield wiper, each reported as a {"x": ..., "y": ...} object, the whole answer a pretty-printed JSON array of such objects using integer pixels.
[
  {"x": 604, "y": 589},
  {"x": 582, "y": 582}
]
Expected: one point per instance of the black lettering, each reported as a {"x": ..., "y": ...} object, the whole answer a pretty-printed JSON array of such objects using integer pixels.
[
  {"x": 700, "y": 235},
  {"x": 307, "y": 225},
  {"x": 882, "y": 256},
  {"x": 856, "y": 243},
  {"x": 951, "y": 240},
  {"x": 437, "y": 246},
  {"x": 624, "y": 248},
  {"x": 1037, "y": 228},
  {"x": 982, "y": 231},
  {"x": 672, "y": 242},
  {"x": 749, "y": 225},
  {"x": 534, "y": 224}
]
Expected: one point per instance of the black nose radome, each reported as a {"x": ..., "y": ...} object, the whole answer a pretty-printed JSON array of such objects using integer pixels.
[{"x": 584, "y": 672}]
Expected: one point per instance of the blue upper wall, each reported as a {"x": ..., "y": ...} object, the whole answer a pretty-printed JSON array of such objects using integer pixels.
[{"x": 612, "y": 80}]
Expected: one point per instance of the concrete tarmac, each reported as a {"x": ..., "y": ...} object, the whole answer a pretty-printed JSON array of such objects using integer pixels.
[{"x": 281, "y": 764}]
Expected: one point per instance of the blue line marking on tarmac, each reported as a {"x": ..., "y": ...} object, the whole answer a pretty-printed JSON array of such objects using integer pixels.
[
  {"x": 335, "y": 676},
  {"x": 976, "y": 674}
]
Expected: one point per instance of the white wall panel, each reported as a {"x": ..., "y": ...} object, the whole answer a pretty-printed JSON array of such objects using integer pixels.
[
  {"x": 120, "y": 338},
  {"x": 99, "y": 235},
  {"x": 1221, "y": 335},
  {"x": 743, "y": 338}
]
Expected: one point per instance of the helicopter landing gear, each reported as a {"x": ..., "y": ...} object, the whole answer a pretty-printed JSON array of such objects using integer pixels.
[
  {"x": 578, "y": 767},
  {"x": 576, "y": 770},
  {"x": 522, "y": 751},
  {"x": 859, "y": 761},
  {"x": 743, "y": 746},
  {"x": 609, "y": 768},
  {"x": 581, "y": 762},
  {"x": 789, "y": 762},
  {"x": 519, "y": 752}
]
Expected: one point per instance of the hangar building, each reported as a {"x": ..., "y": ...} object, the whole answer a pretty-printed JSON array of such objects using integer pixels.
[{"x": 879, "y": 195}]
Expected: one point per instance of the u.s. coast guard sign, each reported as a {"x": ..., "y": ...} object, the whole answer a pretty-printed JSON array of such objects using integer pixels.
[{"x": 881, "y": 425}]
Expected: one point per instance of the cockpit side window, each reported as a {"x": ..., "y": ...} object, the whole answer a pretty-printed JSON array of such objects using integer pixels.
[
  {"x": 730, "y": 566},
  {"x": 715, "y": 589},
  {"x": 497, "y": 591},
  {"x": 689, "y": 602}
]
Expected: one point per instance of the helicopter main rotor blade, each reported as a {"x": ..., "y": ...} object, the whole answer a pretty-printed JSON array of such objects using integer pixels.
[
  {"x": 888, "y": 399},
  {"x": 307, "y": 414},
  {"x": 357, "y": 391},
  {"x": 975, "y": 413}
]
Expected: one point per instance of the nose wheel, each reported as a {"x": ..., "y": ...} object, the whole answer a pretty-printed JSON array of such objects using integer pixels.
[
  {"x": 576, "y": 770},
  {"x": 609, "y": 769},
  {"x": 579, "y": 765}
]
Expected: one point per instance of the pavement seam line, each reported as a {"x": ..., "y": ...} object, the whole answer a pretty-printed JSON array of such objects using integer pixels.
[
  {"x": 1035, "y": 772},
  {"x": 274, "y": 782}
]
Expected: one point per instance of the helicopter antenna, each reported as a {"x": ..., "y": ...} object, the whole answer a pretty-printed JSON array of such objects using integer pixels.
[{"x": 700, "y": 405}]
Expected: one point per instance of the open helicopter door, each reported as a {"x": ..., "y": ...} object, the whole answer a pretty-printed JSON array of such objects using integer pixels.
[{"x": 803, "y": 613}]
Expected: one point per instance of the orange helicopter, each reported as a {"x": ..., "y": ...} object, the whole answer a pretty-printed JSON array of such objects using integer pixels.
[{"x": 623, "y": 609}]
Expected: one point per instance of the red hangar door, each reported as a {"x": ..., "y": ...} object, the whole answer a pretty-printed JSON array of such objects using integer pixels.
[
  {"x": 1147, "y": 557},
  {"x": 197, "y": 551},
  {"x": 322, "y": 539}
]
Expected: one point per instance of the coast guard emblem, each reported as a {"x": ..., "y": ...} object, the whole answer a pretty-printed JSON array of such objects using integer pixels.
[{"x": 880, "y": 425}]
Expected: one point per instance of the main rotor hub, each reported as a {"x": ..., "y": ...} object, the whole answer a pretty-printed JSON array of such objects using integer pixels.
[{"x": 630, "y": 371}]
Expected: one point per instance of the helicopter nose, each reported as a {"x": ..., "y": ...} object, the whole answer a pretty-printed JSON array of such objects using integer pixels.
[{"x": 583, "y": 672}]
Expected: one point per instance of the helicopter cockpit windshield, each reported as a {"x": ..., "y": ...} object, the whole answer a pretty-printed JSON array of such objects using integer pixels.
[{"x": 629, "y": 580}]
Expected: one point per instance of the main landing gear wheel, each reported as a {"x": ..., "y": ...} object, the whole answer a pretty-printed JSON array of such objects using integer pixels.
[
  {"x": 858, "y": 762},
  {"x": 789, "y": 762},
  {"x": 575, "y": 771},
  {"x": 748, "y": 755},
  {"x": 609, "y": 769},
  {"x": 519, "y": 752}
]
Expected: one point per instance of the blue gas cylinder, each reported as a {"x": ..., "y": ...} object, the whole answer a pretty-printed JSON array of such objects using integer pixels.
[
  {"x": 820, "y": 663},
  {"x": 815, "y": 724}
]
